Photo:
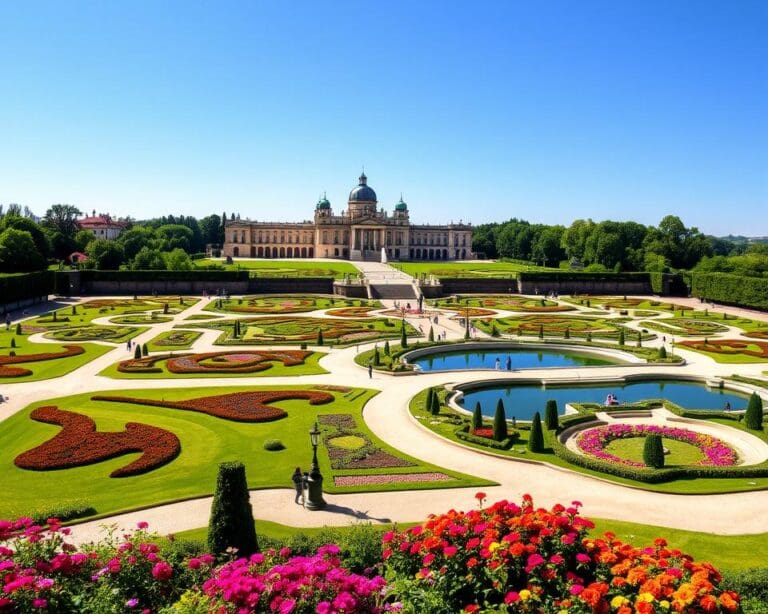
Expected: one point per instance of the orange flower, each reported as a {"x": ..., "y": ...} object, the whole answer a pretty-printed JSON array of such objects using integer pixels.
[{"x": 728, "y": 602}]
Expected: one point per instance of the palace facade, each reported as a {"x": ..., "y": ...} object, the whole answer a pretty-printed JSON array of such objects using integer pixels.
[{"x": 359, "y": 233}]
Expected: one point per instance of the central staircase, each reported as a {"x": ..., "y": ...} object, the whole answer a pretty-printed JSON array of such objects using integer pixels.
[{"x": 386, "y": 282}]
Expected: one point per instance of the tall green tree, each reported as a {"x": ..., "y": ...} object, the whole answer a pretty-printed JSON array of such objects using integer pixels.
[
  {"x": 104, "y": 254},
  {"x": 231, "y": 524},
  {"x": 63, "y": 218},
  {"x": 753, "y": 417},
  {"x": 499, "y": 422},
  {"x": 18, "y": 252},
  {"x": 536, "y": 436}
]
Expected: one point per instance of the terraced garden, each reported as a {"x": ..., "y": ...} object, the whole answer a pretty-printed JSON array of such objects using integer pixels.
[
  {"x": 128, "y": 456},
  {"x": 284, "y": 268},
  {"x": 468, "y": 269}
]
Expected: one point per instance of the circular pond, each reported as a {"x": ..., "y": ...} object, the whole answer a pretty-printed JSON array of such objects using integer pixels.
[
  {"x": 505, "y": 358},
  {"x": 522, "y": 401}
]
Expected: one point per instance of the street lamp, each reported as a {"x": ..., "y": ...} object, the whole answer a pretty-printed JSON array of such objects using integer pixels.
[{"x": 315, "y": 499}]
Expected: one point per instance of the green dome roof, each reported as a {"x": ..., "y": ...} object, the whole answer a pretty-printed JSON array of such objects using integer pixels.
[
  {"x": 323, "y": 203},
  {"x": 401, "y": 206}
]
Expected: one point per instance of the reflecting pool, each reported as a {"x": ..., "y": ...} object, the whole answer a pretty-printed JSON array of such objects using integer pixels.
[{"x": 508, "y": 359}]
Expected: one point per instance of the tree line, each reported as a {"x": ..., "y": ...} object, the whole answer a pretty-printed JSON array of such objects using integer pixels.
[{"x": 620, "y": 246}]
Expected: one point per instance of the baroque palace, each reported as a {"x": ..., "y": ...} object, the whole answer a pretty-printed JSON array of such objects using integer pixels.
[{"x": 360, "y": 232}]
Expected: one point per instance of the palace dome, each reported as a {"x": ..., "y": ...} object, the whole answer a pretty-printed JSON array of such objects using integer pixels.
[
  {"x": 401, "y": 206},
  {"x": 362, "y": 193},
  {"x": 323, "y": 203}
]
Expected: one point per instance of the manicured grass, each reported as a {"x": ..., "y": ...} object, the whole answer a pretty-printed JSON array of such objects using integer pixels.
[
  {"x": 48, "y": 368},
  {"x": 733, "y": 351},
  {"x": 284, "y": 304},
  {"x": 468, "y": 269},
  {"x": 733, "y": 552},
  {"x": 205, "y": 440},
  {"x": 619, "y": 303},
  {"x": 558, "y": 325},
  {"x": 684, "y": 327},
  {"x": 631, "y": 448},
  {"x": 310, "y": 366},
  {"x": 93, "y": 332},
  {"x": 173, "y": 340},
  {"x": 510, "y": 302},
  {"x": 446, "y": 423},
  {"x": 287, "y": 268}
]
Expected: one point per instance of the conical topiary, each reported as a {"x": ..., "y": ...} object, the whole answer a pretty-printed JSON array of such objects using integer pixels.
[
  {"x": 376, "y": 359},
  {"x": 144, "y": 350},
  {"x": 18, "y": 328},
  {"x": 320, "y": 337},
  {"x": 431, "y": 336},
  {"x": 137, "y": 352},
  {"x": 428, "y": 400},
  {"x": 231, "y": 523},
  {"x": 753, "y": 417},
  {"x": 621, "y": 336},
  {"x": 499, "y": 422},
  {"x": 386, "y": 348},
  {"x": 403, "y": 337},
  {"x": 477, "y": 417},
  {"x": 639, "y": 339},
  {"x": 550, "y": 415},
  {"x": 541, "y": 332},
  {"x": 536, "y": 437},
  {"x": 435, "y": 403},
  {"x": 662, "y": 352},
  {"x": 653, "y": 452}
]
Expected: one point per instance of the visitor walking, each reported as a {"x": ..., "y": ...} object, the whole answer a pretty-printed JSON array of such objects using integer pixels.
[
  {"x": 509, "y": 363},
  {"x": 298, "y": 484},
  {"x": 370, "y": 370}
]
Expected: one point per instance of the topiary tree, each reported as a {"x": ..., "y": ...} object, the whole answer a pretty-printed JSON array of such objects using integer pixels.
[
  {"x": 567, "y": 333},
  {"x": 18, "y": 328},
  {"x": 74, "y": 310},
  {"x": 499, "y": 422},
  {"x": 428, "y": 400},
  {"x": 145, "y": 350},
  {"x": 753, "y": 417},
  {"x": 137, "y": 352},
  {"x": 431, "y": 336},
  {"x": 435, "y": 403},
  {"x": 536, "y": 437},
  {"x": 653, "y": 452},
  {"x": 662, "y": 352},
  {"x": 376, "y": 359},
  {"x": 589, "y": 336},
  {"x": 551, "y": 419},
  {"x": 320, "y": 337},
  {"x": 386, "y": 348},
  {"x": 541, "y": 331},
  {"x": 477, "y": 417},
  {"x": 231, "y": 524},
  {"x": 13, "y": 342},
  {"x": 403, "y": 337},
  {"x": 165, "y": 307},
  {"x": 494, "y": 330},
  {"x": 639, "y": 339},
  {"x": 621, "y": 336}
]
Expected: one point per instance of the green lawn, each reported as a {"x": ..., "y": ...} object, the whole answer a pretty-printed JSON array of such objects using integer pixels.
[
  {"x": 310, "y": 366},
  {"x": 680, "y": 453},
  {"x": 206, "y": 441},
  {"x": 468, "y": 269},
  {"x": 445, "y": 425},
  {"x": 48, "y": 368},
  {"x": 173, "y": 340},
  {"x": 286, "y": 268},
  {"x": 285, "y": 304}
]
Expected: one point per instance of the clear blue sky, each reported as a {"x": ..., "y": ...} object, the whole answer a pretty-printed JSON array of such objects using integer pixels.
[{"x": 548, "y": 111}]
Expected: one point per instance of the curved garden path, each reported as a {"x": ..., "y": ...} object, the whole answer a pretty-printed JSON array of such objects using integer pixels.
[{"x": 388, "y": 417}]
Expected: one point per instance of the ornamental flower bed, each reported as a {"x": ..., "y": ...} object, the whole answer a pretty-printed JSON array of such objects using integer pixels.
[
  {"x": 366, "y": 456},
  {"x": 6, "y": 371},
  {"x": 93, "y": 333},
  {"x": 78, "y": 443},
  {"x": 390, "y": 478},
  {"x": 350, "y": 312},
  {"x": 730, "y": 347},
  {"x": 503, "y": 558},
  {"x": 215, "y": 362},
  {"x": 518, "y": 558},
  {"x": 593, "y": 442},
  {"x": 555, "y": 326},
  {"x": 236, "y": 406}
]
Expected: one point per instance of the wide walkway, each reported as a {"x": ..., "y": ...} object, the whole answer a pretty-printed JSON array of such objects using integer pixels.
[{"x": 388, "y": 417}]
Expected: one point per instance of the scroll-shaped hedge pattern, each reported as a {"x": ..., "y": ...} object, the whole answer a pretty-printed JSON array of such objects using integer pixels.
[
  {"x": 215, "y": 362},
  {"x": 7, "y": 371},
  {"x": 236, "y": 406},
  {"x": 79, "y": 443}
]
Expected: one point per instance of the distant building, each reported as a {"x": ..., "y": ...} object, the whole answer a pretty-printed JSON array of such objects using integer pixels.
[
  {"x": 358, "y": 233},
  {"x": 102, "y": 226}
]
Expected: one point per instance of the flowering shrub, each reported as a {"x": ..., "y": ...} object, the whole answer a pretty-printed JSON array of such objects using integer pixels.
[
  {"x": 511, "y": 558},
  {"x": 237, "y": 406},
  {"x": 593, "y": 441},
  {"x": 6, "y": 371},
  {"x": 78, "y": 443},
  {"x": 276, "y": 583}
]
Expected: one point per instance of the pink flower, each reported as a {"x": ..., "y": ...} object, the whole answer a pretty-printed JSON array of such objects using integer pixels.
[
  {"x": 162, "y": 571},
  {"x": 142, "y": 525}
]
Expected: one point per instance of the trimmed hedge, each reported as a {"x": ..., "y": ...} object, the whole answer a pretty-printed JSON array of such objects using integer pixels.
[
  {"x": 22, "y": 286},
  {"x": 89, "y": 275},
  {"x": 579, "y": 276},
  {"x": 463, "y": 433},
  {"x": 731, "y": 289}
]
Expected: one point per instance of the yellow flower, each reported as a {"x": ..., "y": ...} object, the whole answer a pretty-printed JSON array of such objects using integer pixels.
[
  {"x": 664, "y": 604},
  {"x": 619, "y": 601},
  {"x": 525, "y": 594},
  {"x": 494, "y": 547},
  {"x": 645, "y": 598}
]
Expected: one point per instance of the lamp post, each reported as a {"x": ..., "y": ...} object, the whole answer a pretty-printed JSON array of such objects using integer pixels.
[{"x": 315, "y": 499}]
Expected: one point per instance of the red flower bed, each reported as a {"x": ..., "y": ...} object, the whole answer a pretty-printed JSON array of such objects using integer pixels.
[
  {"x": 350, "y": 312},
  {"x": 237, "y": 406},
  {"x": 215, "y": 362},
  {"x": 483, "y": 432},
  {"x": 78, "y": 443},
  {"x": 729, "y": 346},
  {"x": 5, "y": 371},
  {"x": 389, "y": 478}
]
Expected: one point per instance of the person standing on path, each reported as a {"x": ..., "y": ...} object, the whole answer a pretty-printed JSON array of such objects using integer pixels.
[
  {"x": 370, "y": 370},
  {"x": 298, "y": 484}
]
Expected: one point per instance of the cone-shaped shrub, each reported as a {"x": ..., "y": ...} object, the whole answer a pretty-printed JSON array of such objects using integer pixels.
[
  {"x": 550, "y": 415},
  {"x": 567, "y": 334},
  {"x": 386, "y": 348},
  {"x": 54, "y": 316},
  {"x": 753, "y": 417},
  {"x": 18, "y": 328},
  {"x": 137, "y": 352},
  {"x": 435, "y": 403},
  {"x": 653, "y": 452},
  {"x": 541, "y": 332},
  {"x": 621, "y": 336},
  {"x": 662, "y": 352},
  {"x": 13, "y": 342},
  {"x": 144, "y": 350},
  {"x": 639, "y": 339},
  {"x": 494, "y": 330},
  {"x": 499, "y": 422},
  {"x": 319, "y": 337},
  {"x": 74, "y": 310},
  {"x": 589, "y": 336},
  {"x": 165, "y": 307},
  {"x": 431, "y": 336},
  {"x": 428, "y": 400},
  {"x": 403, "y": 337},
  {"x": 477, "y": 416},
  {"x": 536, "y": 438},
  {"x": 231, "y": 524},
  {"x": 376, "y": 359}
]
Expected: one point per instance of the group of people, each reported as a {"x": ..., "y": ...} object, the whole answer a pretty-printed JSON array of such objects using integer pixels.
[
  {"x": 611, "y": 399},
  {"x": 507, "y": 363},
  {"x": 299, "y": 483}
]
